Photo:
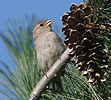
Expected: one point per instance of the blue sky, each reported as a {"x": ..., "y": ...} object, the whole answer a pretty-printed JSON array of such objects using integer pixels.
[{"x": 49, "y": 9}]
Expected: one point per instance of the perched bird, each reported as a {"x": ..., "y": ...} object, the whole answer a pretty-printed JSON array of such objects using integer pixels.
[{"x": 48, "y": 47}]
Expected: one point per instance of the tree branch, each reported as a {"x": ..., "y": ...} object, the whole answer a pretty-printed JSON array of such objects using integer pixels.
[{"x": 62, "y": 60}]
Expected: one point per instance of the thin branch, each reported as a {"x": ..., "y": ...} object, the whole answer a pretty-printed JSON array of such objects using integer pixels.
[{"x": 62, "y": 60}]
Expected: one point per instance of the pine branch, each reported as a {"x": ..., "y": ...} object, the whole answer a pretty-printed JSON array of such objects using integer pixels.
[{"x": 62, "y": 60}]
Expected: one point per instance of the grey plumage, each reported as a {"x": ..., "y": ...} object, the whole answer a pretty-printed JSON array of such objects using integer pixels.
[{"x": 48, "y": 46}]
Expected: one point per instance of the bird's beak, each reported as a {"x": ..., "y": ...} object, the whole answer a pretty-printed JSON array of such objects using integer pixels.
[{"x": 48, "y": 23}]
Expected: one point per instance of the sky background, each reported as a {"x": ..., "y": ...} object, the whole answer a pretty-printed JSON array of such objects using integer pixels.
[{"x": 49, "y": 9}]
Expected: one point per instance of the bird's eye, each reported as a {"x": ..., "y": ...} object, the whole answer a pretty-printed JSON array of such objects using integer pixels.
[{"x": 41, "y": 24}]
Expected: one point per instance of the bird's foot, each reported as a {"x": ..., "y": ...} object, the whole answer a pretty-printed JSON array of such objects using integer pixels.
[
  {"x": 45, "y": 73},
  {"x": 59, "y": 57}
]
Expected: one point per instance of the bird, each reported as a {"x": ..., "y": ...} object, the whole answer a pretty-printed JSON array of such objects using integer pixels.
[{"x": 48, "y": 48}]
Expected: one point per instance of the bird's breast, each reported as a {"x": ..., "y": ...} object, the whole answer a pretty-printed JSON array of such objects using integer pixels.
[{"x": 48, "y": 48}]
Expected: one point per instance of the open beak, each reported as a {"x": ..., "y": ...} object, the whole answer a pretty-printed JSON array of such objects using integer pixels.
[{"x": 48, "y": 23}]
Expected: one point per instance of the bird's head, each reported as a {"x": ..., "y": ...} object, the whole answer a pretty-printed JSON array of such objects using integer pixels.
[{"x": 42, "y": 26}]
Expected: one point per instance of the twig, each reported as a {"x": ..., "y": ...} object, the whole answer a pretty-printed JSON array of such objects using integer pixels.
[{"x": 37, "y": 91}]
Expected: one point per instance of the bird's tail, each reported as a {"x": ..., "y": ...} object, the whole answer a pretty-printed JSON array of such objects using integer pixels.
[
  {"x": 57, "y": 85},
  {"x": 57, "y": 82}
]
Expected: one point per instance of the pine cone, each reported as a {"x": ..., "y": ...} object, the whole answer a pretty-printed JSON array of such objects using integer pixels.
[{"x": 82, "y": 37}]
